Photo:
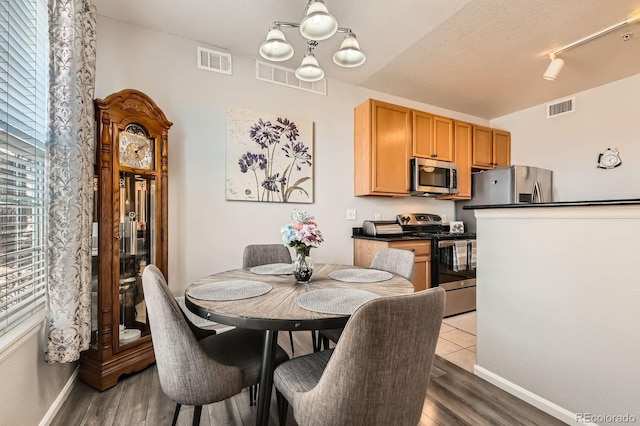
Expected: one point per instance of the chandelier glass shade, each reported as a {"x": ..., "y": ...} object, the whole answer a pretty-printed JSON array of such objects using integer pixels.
[
  {"x": 316, "y": 25},
  {"x": 309, "y": 70},
  {"x": 349, "y": 54},
  {"x": 276, "y": 47}
]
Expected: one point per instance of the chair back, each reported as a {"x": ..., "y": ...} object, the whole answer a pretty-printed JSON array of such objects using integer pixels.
[
  {"x": 379, "y": 371},
  {"x": 187, "y": 375},
  {"x": 396, "y": 261},
  {"x": 265, "y": 254}
]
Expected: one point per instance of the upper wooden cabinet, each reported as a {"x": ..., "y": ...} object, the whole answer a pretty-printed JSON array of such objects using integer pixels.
[
  {"x": 432, "y": 136},
  {"x": 501, "y": 148},
  {"x": 382, "y": 148},
  {"x": 491, "y": 148},
  {"x": 463, "y": 141},
  {"x": 386, "y": 136}
]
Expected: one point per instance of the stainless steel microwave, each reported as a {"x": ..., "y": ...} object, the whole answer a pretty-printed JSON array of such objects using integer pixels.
[{"x": 433, "y": 177}]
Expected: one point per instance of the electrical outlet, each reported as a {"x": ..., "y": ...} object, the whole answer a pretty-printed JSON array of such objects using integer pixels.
[
  {"x": 377, "y": 216},
  {"x": 351, "y": 214}
]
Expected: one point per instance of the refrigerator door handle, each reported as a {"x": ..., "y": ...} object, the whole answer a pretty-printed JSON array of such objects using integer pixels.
[{"x": 537, "y": 193}]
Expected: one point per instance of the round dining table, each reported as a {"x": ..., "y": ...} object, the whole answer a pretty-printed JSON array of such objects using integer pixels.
[{"x": 278, "y": 308}]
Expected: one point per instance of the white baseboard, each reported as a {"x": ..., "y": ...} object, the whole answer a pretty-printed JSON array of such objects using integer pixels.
[
  {"x": 537, "y": 401},
  {"x": 62, "y": 397}
]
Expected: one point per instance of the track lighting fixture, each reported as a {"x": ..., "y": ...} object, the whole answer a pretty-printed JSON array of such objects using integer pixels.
[
  {"x": 316, "y": 25},
  {"x": 556, "y": 64}
]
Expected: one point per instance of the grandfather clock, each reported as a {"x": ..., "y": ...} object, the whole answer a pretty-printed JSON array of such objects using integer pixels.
[{"x": 129, "y": 232}]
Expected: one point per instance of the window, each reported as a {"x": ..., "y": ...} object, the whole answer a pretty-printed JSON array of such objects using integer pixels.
[{"x": 23, "y": 107}]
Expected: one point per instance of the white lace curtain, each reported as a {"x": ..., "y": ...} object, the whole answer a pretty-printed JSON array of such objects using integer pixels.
[{"x": 70, "y": 156}]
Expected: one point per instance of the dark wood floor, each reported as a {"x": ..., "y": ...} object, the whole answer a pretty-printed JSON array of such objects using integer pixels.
[{"x": 454, "y": 397}]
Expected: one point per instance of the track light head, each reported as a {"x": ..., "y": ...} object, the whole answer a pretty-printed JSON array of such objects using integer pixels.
[{"x": 553, "y": 69}]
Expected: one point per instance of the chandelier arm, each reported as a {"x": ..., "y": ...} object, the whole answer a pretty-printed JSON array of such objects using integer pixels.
[{"x": 285, "y": 24}]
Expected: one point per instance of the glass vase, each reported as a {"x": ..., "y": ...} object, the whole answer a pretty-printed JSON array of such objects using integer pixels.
[{"x": 303, "y": 266}]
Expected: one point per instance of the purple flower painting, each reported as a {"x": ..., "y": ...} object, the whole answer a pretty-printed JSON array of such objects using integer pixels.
[{"x": 269, "y": 157}]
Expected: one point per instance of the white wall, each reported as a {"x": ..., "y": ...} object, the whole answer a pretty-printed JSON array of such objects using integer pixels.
[
  {"x": 206, "y": 232},
  {"x": 604, "y": 117},
  {"x": 559, "y": 307},
  {"x": 30, "y": 386}
]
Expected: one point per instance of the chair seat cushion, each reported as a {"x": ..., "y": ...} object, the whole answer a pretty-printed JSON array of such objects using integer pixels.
[
  {"x": 300, "y": 374},
  {"x": 241, "y": 348}
]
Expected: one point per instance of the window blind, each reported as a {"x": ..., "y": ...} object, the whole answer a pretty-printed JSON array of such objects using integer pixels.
[{"x": 23, "y": 108}]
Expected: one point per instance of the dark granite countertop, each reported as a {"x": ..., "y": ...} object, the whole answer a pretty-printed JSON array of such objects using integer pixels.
[
  {"x": 357, "y": 233},
  {"x": 591, "y": 203},
  {"x": 391, "y": 237}
]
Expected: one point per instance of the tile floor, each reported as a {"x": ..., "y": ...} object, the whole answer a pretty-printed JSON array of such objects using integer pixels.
[{"x": 457, "y": 346}]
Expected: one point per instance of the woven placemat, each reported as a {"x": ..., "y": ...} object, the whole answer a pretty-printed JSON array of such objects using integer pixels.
[
  {"x": 338, "y": 301},
  {"x": 273, "y": 269},
  {"x": 230, "y": 290},
  {"x": 360, "y": 275}
]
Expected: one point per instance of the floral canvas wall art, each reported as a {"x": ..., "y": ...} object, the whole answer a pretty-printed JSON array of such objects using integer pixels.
[{"x": 269, "y": 157}]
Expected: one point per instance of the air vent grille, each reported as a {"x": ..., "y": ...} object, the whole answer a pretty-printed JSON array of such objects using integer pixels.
[
  {"x": 213, "y": 60},
  {"x": 561, "y": 107},
  {"x": 286, "y": 77}
]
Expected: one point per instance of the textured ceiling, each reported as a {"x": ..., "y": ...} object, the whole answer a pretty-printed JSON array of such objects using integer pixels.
[{"x": 480, "y": 57}]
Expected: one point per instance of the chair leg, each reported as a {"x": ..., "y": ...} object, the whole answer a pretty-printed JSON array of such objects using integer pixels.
[
  {"x": 325, "y": 342},
  {"x": 197, "y": 412},
  {"x": 291, "y": 339},
  {"x": 283, "y": 408},
  {"x": 253, "y": 394},
  {"x": 175, "y": 415},
  {"x": 315, "y": 340}
]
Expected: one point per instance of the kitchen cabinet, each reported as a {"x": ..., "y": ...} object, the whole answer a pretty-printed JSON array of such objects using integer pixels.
[
  {"x": 501, "y": 148},
  {"x": 432, "y": 136},
  {"x": 491, "y": 148},
  {"x": 365, "y": 249},
  {"x": 463, "y": 139},
  {"x": 129, "y": 232},
  {"x": 382, "y": 149}
]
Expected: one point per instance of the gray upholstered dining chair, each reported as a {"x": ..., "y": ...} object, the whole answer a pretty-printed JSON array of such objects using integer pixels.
[
  {"x": 265, "y": 254},
  {"x": 396, "y": 261},
  {"x": 198, "y": 372},
  {"x": 366, "y": 379}
]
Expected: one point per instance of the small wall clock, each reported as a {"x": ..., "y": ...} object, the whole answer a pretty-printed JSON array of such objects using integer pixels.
[{"x": 609, "y": 159}]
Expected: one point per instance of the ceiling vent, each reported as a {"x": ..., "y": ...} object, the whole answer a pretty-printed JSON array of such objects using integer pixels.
[
  {"x": 213, "y": 60},
  {"x": 561, "y": 107},
  {"x": 287, "y": 77}
]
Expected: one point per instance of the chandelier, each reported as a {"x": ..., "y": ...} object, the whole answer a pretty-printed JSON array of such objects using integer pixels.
[{"x": 316, "y": 25}]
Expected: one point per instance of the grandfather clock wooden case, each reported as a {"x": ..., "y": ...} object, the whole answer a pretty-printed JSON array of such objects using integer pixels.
[{"x": 129, "y": 232}]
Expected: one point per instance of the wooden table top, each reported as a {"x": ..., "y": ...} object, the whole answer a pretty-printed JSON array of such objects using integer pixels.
[{"x": 277, "y": 309}]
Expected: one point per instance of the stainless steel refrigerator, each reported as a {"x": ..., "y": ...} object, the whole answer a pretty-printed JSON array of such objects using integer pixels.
[{"x": 505, "y": 185}]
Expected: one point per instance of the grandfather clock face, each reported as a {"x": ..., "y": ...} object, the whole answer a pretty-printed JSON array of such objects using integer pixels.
[{"x": 136, "y": 148}]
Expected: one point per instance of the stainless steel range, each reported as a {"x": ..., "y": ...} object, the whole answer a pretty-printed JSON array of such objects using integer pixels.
[{"x": 453, "y": 259}]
